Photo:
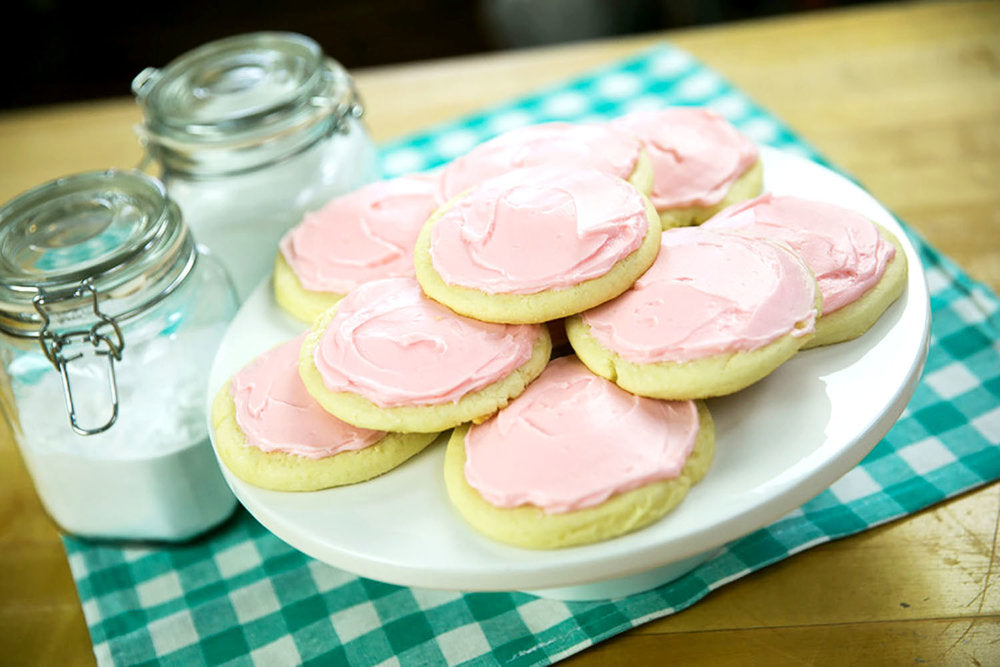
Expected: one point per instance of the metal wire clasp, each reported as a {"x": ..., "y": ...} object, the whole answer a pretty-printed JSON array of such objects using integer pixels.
[
  {"x": 53, "y": 345},
  {"x": 340, "y": 110}
]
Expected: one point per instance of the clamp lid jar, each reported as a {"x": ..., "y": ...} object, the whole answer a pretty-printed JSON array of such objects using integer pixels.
[
  {"x": 108, "y": 316},
  {"x": 251, "y": 132}
]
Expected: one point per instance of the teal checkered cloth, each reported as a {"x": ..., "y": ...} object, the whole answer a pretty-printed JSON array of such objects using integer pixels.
[{"x": 240, "y": 595}]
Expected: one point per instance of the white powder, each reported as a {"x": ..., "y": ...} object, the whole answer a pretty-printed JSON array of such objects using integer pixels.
[{"x": 152, "y": 475}]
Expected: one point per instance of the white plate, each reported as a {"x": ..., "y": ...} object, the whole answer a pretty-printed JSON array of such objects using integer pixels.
[{"x": 779, "y": 443}]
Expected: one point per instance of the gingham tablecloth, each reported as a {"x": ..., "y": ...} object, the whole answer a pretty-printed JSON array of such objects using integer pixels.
[{"x": 240, "y": 595}]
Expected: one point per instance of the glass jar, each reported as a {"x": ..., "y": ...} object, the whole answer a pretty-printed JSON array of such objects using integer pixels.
[
  {"x": 110, "y": 317},
  {"x": 250, "y": 133}
]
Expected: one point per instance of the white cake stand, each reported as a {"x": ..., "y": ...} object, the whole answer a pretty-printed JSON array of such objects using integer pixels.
[{"x": 779, "y": 443}]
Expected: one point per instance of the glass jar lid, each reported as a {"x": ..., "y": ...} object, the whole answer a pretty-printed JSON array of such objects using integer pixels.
[
  {"x": 236, "y": 103},
  {"x": 114, "y": 233}
]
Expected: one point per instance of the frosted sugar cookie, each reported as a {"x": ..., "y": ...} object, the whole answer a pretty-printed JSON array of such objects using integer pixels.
[
  {"x": 360, "y": 236},
  {"x": 701, "y": 163},
  {"x": 717, "y": 312},
  {"x": 860, "y": 267},
  {"x": 575, "y": 460},
  {"x": 271, "y": 433},
  {"x": 537, "y": 244},
  {"x": 388, "y": 357},
  {"x": 558, "y": 144}
]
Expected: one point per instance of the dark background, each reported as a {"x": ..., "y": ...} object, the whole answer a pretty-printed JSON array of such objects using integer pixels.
[{"x": 62, "y": 50}]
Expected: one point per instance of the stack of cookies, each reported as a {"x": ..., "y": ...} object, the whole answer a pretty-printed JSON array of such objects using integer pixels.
[{"x": 562, "y": 298}]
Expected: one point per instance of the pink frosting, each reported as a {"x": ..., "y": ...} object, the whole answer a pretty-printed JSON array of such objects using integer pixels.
[
  {"x": 536, "y": 229},
  {"x": 573, "y": 439},
  {"x": 360, "y": 236},
  {"x": 394, "y": 346},
  {"x": 842, "y": 247},
  {"x": 709, "y": 292},
  {"x": 277, "y": 414},
  {"x": 589, "y": 146},
  {"x": 696, "y": 154}
]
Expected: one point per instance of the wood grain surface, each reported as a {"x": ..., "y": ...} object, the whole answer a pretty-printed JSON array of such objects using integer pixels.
[{"x": 905, "y": 96}]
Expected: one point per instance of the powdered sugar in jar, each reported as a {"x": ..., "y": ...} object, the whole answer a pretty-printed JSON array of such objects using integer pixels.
[
  {"x": 250, "y": 133},
  {"x": 109, "y": 317}
]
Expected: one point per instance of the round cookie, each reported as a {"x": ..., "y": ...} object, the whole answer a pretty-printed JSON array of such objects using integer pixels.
[
  {"x": 701, "y": 163},
  {"x": 359, "y": 236},
  {"x": 534, "y": 245},
  {"x": 555, "y": 144},
  {"x": 717, "y": 312},
  {"x": 860, "y": 267},
  {"x": 387, "y": 357},
  {"x": 271, "y": 433},
  {"x": 576, "y": 460}
]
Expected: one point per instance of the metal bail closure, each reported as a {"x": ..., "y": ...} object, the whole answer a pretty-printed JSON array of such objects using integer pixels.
[
  {"x": 145, "y": 80},
  {"x": 340, "y": 111},
  {"x": 53, "y": 345}
]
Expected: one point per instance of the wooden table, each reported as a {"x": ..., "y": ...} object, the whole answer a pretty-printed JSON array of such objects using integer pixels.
[{"x": 904, "y": 96}]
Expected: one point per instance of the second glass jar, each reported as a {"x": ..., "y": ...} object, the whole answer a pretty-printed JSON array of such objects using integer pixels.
[{"x": 250, "y": 133}]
